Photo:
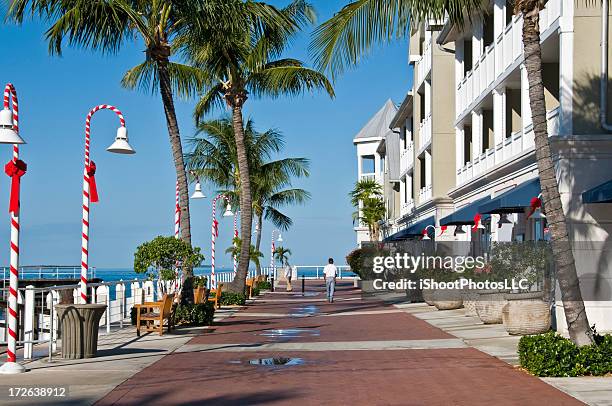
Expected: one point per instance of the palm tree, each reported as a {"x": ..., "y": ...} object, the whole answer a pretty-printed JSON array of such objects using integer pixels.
[
  {"x": 254, "y": 254},
  {"x": 366, "y": 197},
  {"x": 247, "y": 62},
  {"x": 281, "y": 254},
  {"x": 162, "y": 25},
  {"x": 341, "y": 41},
  {"x": 214, "y": 158}
]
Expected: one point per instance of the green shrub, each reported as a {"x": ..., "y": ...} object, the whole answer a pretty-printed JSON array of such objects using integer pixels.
[
  {"x": 553, "y": 355},
  {"x": 201, "y": 314},
  {"x": 255, "y": 291},
  {"x": 230, "y": 298},
  {"x": 264, "y": 285}
]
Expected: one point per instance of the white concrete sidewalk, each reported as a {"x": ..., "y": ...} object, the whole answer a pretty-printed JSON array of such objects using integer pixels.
[
  {"x": 121, "y": 354},
  {"x": 494, "y": 340}
]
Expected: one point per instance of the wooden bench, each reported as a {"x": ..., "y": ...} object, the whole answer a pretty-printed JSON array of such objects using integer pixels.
[
  {"x": 155, "y": 312},
  {"x": 217, "y": 295},
  {"x": 250, "y": 282}
]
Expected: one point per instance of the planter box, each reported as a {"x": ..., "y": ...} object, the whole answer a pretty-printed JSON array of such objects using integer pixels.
[
  {"x": 79, "y": 328},
  {"x": 367, "y": 286},
  {"x": 490, "y": 305},
  {"x": 526, "y": 313},
  {"x": 447, "y": 300}
]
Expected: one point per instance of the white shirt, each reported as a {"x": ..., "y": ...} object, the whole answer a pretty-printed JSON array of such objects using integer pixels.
[{"x": 330, "y": 271}]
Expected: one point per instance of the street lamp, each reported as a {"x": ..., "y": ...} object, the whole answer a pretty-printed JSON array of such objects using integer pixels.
[
  {"x": 215, "y": 234},
  {"x": 235, "y": 242},
  {"x": 536, "y": 205},
  {"x": 90, "y": 192},
  {"x": 197, "y": 192},
  {"x": 273, "y": 249},
  {"x": 424, "y": 232},
  {"x": 15, "y": 168}
]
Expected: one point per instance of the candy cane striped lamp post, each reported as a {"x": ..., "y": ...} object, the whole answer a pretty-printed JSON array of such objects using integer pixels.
[
  {"x": 15, "y": 168},
  {"x": 90, "y": 192},
  {"x": 235, "y": 242},
  {"x": 273, "y": 249},
  {"x": 177, "y": 212},
  {"x": 215, "y": 234}
]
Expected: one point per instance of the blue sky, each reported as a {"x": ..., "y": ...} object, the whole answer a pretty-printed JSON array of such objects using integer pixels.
[{"x": 137, "y": 192}]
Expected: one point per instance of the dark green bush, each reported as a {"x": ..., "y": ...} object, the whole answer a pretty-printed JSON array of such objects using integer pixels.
[
  {"x": 264, "y": 285},
  {"x": 230, "y": 298},
  {"x": 201, "y": 314},
  {"x": 255, "y": 291},
  {"x": 553, "y": 355}
]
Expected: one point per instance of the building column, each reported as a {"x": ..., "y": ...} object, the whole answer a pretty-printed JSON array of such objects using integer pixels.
[
  {"x": 477, "y": 40},
  {"x": 427, "y": 168},
  {"x": 525, "y": 106},
  {"x": 499, "y": 115},
  {"x": 476, "y": 133},
  {"x": 460, "y": 147},
  {"x": 499, "y": 18},
  {"x": 566, "y": 69}
]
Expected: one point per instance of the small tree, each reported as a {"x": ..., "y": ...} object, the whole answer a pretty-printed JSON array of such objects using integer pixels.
[
  {"x": 163, "y": 257},
  {"x": 254, "y": 254},
  {"x": 282, "y": 254}
]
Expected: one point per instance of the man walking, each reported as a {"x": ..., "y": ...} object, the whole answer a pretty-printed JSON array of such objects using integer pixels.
[{"x": 330, "y": 272}]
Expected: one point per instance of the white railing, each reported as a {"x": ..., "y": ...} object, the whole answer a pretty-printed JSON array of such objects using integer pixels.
[
  {"x": 425, "y": 194},
  {"x": 425, "y": 133},
  {"x": 49, "y": 272},
  {"x": 407, "y": 158},
  {"x": 39, "y": 321},
  {"x": 508, "y": 149},
  {"x": 424, "y": 64},
  {"x": 309, "y": 272},
  {"x": 367, "y": 176},
  {"x": 499, "y": 56},
  {"x": 407, "y": 207}
]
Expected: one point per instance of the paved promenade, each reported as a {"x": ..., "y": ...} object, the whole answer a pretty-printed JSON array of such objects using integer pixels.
[{"x": 286, "y": 349}]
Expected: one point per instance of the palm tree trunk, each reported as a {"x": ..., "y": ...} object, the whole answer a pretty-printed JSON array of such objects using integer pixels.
[
  {"x": 258, "y": 241},
  {"x": 246, "y": 209},
  {"x": 573, "y": 305},
  {"x": 165, "y": 88}
]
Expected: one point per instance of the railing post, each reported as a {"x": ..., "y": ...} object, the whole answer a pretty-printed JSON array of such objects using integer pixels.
[
  {"x": 108, "y": 310},
  {"x": 28, "y": 322}
]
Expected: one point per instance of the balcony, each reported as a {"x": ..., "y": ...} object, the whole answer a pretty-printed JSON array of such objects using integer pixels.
[
  {"x": 506, "y": 150},
  {"x": 425, "y": 194},
  {"x": 407, "y": 158},
  {"x": 425, "y": 133},
  {"x": 407, "y": 208},
  {"x": 367, "y": 176},
  {"x": 424, "y": 64},
  {"x": 500, "y": 58}
]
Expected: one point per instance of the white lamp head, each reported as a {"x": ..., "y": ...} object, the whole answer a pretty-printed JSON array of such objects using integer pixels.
[
  {"x": 481, "y": 226},
  {"x": 228, "y": 211},
  {"x": 121, "y": 145},
  {"x": 503, "y": 219},
  {"x": 537, "y": 214},
  {"x": 280, "y": 238},
  {"x": 459, "y": 230},
  {"x": 8, "y": 135},
  {"x": 197, "y": 193}
]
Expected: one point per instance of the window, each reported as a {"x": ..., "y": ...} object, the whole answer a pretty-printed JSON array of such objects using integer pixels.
[
  {"x": 368, "y": 164},
  {"x": 467, "y": 144},
  {"x": 467, "y": 56}
]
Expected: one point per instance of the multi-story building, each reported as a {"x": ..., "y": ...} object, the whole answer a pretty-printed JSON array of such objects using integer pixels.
[
  {"x": 427, "y": 134},
  {"x": 371, "y": 162},
  {"x": 467, "y": 143},
  {"x": 496, "y": 170}
]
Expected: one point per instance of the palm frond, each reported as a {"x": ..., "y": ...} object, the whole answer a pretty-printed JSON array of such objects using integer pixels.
[
  {"x": 358, "y": 27},
  {"x": 287, "y": 80},
  {"x": 212, "y": 99}
]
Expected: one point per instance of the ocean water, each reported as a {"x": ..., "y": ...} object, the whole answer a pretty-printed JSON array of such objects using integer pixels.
[{"x": 116, "y": 274}]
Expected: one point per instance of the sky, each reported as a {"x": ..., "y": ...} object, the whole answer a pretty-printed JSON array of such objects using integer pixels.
[{"x": 137, "y": 191}]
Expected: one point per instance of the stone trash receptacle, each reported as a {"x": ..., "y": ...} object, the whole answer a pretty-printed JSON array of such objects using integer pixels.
[{"x": 79, "y": 329}]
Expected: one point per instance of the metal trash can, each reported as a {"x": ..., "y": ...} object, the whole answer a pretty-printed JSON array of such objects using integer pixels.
[{"x": 79, "y": 325}]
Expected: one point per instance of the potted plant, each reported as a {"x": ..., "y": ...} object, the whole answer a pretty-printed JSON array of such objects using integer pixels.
[
  {"x": 490, "y": 302},
  {"x": 446, "y": 299},
  {"x": 528, "y": 310},
  {"x": 162, "y": 259}
]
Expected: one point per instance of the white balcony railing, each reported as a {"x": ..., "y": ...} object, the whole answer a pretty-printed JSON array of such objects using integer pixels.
[
  {"x": 367, "y": 176},
  {"x": 425, "y": 194},
  {"x": 407, "y": 158},
  {"x": 506, "y": 150},
  {"x": 425, "y": 133},
  {"x": 424, "y": 64},
  {"x": 407, "y": 208},
  {"x": 499, "y": 56}
]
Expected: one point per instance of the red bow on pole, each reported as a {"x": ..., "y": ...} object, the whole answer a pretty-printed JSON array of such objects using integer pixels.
[
  {"x": 15, "y": 169},
  {"x": 216, "y": 227},
  {"x": 477, "y": 218},
  {"x": 535, "y": 203},
  {"x": 93, "y": 190},
  {"x": 443, "y": 229}
]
